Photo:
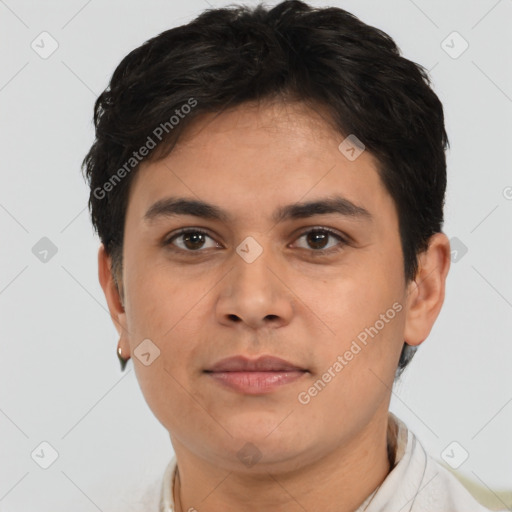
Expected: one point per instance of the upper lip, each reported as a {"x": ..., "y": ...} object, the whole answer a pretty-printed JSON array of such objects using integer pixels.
[{"x": 261, "y": 364}]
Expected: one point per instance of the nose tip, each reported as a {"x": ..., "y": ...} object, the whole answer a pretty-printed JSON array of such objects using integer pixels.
[{"x": 253, "y": 295}]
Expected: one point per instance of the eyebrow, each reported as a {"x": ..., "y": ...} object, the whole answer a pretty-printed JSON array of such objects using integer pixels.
[{"x": 174, "y": 206}]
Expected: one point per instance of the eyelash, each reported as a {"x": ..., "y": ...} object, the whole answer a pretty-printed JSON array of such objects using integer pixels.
[{"x": 317, "y": 252}]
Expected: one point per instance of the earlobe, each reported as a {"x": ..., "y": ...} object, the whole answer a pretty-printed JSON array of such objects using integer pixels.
[
  {"x": 426, "y": 294},
  {"x": 110, "y": 290}
]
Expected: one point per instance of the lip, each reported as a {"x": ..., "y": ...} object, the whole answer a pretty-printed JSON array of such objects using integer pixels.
[
  {"x": 261, "y": 364},
  {"x": 254, "y": 376}
]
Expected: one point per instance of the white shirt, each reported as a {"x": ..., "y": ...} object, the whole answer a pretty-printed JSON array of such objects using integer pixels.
[{"x": 417, "y": 483}]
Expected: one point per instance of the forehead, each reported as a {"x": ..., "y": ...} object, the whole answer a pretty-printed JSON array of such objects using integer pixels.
[
  {"x": 281, "y": 130},
  {"x": 251, "y": 156}
]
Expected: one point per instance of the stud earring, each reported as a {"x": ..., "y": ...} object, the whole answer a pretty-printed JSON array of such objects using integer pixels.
[{"x": 122, "y": 360}]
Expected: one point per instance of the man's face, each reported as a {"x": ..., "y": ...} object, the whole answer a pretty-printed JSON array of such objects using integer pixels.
[{"x": 201, "y": 298}]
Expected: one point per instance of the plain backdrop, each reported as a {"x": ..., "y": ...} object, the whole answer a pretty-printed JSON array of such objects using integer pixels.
[{"x": 60, "y": 381}]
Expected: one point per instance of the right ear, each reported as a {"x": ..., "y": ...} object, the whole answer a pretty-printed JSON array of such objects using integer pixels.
[{"x": 111, "y": 292}]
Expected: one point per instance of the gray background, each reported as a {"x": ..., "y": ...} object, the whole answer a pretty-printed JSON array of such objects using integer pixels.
[{"x": 60, "y": 380}]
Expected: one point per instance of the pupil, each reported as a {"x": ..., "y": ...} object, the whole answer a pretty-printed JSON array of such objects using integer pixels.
[{"x": 320, "y": 237}]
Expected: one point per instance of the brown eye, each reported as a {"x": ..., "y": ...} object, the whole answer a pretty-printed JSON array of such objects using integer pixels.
[
  {"x": 191, "y": 240},
  {"x": 319, "y": 239}
]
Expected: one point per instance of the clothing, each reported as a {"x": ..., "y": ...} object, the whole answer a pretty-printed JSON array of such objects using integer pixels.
[{"x": 417, "y": 483}]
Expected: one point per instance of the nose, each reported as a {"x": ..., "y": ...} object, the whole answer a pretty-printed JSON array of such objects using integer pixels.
[{"x": 255, "y": 294}]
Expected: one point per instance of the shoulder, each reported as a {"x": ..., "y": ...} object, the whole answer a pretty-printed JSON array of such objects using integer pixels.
[
  {"x": 417, "y": 482},
  {"x": 149, "y": 494},
  {"x": 440, "y": 491}
]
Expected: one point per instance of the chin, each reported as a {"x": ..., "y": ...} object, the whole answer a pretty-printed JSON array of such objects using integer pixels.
[{"x": 277, "y": 440}]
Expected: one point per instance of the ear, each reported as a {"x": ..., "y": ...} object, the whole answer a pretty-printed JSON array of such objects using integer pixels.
[
  {"x": 425, "y": 294},
  {"x": 114, "y": 301}
]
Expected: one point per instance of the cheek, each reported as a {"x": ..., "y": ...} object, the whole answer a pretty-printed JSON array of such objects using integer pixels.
[
  {"x": 358, "y": 364},
  {"x": 160, "y": 301},
  {"x": 352, "y": 300},
  {"x": 170, "y": 397},
  {"x": 364, "y": 311},
  {"x": 169, "y": 313}
]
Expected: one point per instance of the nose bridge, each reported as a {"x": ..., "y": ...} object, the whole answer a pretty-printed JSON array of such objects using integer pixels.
[{"x": 251, "y": 274}]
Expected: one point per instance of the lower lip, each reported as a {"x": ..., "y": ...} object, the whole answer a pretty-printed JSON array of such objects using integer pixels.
[{"x": 256, "y": 383}]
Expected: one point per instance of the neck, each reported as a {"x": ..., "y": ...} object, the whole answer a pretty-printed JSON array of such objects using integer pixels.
[{"x": 337, "y": 482}]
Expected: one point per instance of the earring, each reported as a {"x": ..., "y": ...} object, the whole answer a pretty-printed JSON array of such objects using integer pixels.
[{"x": 122, "y": 360}]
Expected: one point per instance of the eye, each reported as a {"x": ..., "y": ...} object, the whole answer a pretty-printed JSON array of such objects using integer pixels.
[
  {"x": 191, "y": 240},
  {"x": 318, "y": 240}
]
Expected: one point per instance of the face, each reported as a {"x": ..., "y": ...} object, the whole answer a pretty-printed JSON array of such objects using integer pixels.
[{"x": 263, "y": 273}]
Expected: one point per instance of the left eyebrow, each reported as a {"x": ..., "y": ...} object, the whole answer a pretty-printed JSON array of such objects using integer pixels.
[
  {"x": 337, "y": 204},
  {"x": 173, "y": 206}
]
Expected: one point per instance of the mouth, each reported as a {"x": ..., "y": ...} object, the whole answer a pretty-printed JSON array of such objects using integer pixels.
[{"x": 254, "y": 376}]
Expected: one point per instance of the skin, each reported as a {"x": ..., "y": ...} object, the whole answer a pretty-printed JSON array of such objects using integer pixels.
[{"x": 329, "y": 454}]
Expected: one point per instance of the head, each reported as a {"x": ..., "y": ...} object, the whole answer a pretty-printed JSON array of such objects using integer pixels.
[{"x": 250, "y": 127}]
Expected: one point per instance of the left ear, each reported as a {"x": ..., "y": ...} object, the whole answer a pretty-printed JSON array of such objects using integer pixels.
[{"x": 425, "y": 295}]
